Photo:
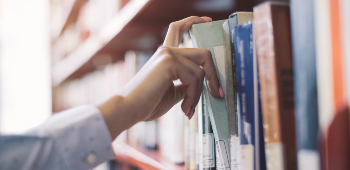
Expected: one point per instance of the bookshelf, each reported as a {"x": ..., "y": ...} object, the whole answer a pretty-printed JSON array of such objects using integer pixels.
[
  {"x": 137, "y": 22},
  {"x": 140, "y": 25},
  {"x": 70, "y": 16}
]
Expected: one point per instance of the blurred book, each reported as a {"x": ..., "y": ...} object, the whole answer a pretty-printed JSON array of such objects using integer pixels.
[
  {"x": 331, "y": 82},
  {"x": 345, "y": 15},
  {"x": 305, "y": 83},
  {"x": 274, "y": 52},
  {"x": 171, "y": 134}
]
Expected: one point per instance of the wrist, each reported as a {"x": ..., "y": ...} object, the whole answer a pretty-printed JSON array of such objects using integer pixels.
[{"x": 117, "y": 115}]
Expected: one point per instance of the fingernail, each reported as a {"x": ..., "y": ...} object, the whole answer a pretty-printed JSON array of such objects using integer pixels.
[
  {"x": 221, "y": 92},
  {"x": 207, "y": 18},
  {"x": 188, "y": 111}
]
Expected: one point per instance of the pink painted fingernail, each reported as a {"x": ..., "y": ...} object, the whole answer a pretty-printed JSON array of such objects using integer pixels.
[
  {"x": 221, "y": 92},
  {"x": 207, "y": 18},
  {"x": 188, "y": 111}
]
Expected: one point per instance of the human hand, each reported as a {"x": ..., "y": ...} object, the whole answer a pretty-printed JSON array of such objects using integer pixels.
[{"x": 151, "y": 93}]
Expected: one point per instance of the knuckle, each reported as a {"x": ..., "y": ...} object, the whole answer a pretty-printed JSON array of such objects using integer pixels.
[
  {"x": 207, "y": 53},
  {"x": 196, "y": 79},
  {"x": 201, "y": 74},
  {"x": 170, "y": 59},
  {"x": 164, "y": 50},
  {"x": 165, "y": 55},
  {"x": 173, "y": 25}
]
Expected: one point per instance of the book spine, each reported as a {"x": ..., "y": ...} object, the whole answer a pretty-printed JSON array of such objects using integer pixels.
[
  {"x": 187, "y": 142},
  {"x": 260, "y": 157},
  {"x": 245, "y": 93},
  {"x": 200, "y": 133},
  {"x": 232, "y": 23},
  {"x": 337, "y": 57},
  {"x": 273, "y": 45},
  {"x": 230, "y": 90},
  {"x": 234, "y": 138},
  {"x": 305, "y": 84},
  {"x": 193, "y": 142},
  {"x": 345, "y": 5},
  {"x": 208, "y": 156},
  {"x": 338, "y": 142}
]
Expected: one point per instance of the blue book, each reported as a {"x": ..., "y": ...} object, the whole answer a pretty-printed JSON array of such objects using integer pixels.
[
  {"x": 305, "y": 83},
  {"x": 250, "y": 115}
]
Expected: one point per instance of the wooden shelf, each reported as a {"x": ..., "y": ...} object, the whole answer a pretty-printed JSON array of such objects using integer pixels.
[
  {"x": 70, "y": 17},
  {"x": 142, "y": 158},
  {"x": 81, "y": 59},
  {"x": 140, "y": 25}
]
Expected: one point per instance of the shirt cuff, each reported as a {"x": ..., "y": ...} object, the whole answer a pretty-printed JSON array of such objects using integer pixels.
[{"x": 81, "y": 135}]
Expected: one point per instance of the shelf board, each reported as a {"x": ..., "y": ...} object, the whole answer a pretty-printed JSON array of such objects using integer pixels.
[
  {"x": 140, "y": 25},
  {"x": 71, "y": 16},
  {"x": 94, "y": 44},
  {"x": 142, "y": 158}
]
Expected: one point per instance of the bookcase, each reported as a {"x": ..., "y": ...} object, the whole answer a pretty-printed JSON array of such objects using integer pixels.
[
  {"x": 99, "y": 45},
  {"x": 87, "y": 48}
]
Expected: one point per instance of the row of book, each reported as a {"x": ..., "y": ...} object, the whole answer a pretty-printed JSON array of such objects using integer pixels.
[
  {"x": 100, "y": 84},
  {"x": 91, "y": 17},
  {"x": 284, "y": 69},
  {"x": 285, "y": 72}
]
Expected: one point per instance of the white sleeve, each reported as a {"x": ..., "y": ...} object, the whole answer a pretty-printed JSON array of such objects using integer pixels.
[{"x": 77, "y": 138}]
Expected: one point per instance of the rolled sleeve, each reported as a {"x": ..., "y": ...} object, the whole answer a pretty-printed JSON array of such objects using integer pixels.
[{"x": 81, "y": 136}]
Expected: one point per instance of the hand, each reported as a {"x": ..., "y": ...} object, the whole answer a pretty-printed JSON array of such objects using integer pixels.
[{"x": 151, "y": 93}]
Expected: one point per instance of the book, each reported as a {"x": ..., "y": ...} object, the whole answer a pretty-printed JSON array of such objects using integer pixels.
[
  {"x": 209, "y": 36},
  {"x": 199, "y": 144},
  {"x": 336, "y": 146},
  {"x": 186, "y": 142},
  {"x": 274, "y": 53},
  {"x": 305, "y": 83},
  {"x": 345, "y": 5},
  {"x": 345, "y": 15},
  {"x": 332, "y": 99},
  {"x": 259, "y": 133},
  {"x": 248, "y": 96},
  {"x": 193, "y": 142},
  {"x": 208, "y": 142},
  {"x": 234, "y": 20},
  {"x": 224, "y": 65},
  {"x": 171, "y": 134}
]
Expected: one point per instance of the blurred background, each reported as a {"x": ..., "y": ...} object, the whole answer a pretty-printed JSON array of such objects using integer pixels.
[{"x": 57, "y": 54}]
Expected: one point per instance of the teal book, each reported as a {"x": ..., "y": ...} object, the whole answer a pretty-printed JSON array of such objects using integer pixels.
[{"x": 210, "y": 36}]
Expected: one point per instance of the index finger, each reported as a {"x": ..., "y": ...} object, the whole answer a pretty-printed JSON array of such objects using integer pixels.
[
  {"x": 176, "y": 29},
  {"x": 202, "y": 57}
]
